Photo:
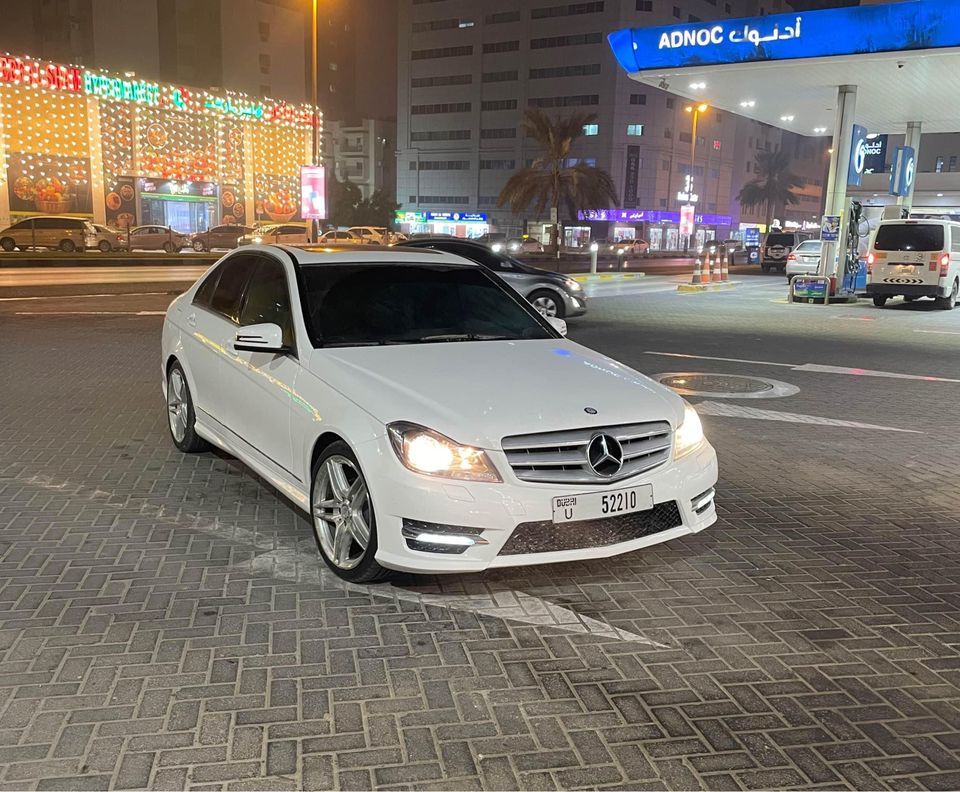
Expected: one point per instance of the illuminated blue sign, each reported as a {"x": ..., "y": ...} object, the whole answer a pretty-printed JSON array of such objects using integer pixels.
[
  {"x": 858, "y": 155},
  {"x": 903, "y": 168},
  {"x": 884, "y": 27}
]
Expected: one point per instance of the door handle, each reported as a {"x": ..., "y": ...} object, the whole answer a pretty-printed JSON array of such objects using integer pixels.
[{"x": 192, "y": 320}]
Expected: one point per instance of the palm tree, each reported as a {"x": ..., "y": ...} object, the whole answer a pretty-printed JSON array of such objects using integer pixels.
[
  {"x": 773, "y": 185},
  {"x": 550, "y": 181}
]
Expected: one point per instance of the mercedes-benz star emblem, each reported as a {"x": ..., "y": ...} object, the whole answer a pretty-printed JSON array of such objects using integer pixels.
[{"x": 605, "y": 455}]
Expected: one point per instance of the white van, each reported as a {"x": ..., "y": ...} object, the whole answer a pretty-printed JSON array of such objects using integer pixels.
[{"x": 915, "y": 258}]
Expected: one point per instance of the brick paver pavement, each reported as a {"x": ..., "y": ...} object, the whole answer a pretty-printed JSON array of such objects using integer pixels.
[{"x": 164, "y": 621}]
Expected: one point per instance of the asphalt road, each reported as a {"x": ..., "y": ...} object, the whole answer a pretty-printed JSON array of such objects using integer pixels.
[{"x": 165, "y": 621}]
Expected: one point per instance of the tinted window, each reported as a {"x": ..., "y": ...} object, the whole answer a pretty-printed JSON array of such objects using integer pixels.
[
  {"x": 365, "y": 304},
  {"x": 786, "y": 240},
  {"x": 226, "y": 297},
  {"x": 205, "y": 292},
  {"x": 909, "y": 236},
  {"x": 267, "y": 298},
  {"x": 46, "y": 222}
]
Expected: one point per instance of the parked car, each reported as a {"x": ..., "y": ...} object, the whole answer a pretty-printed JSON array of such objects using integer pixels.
[
  {"x": 56, "y": 232},
  {"x": 155, "y": 237},
  {"x": 915, "y": 258},
  {"x": 424, "y": 417},
  {"x": 775, "y": 248},
  {"x": 804, "y": 259},
  {"x": 340, "y": 238},
  {"x": 552, "y": 294},
  {"x": 727, "y": 247},
  {"x": 524, "y": 245},
  {"x": 277, "y": 234},
  {"x": 108, "y": 239},
  {"x": 371, "y": 234},
  {"x": 223, "y": 237},
  {"x": 631, "y": 248}
]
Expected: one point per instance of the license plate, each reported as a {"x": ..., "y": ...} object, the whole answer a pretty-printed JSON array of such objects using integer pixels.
[
  {"x": 906, "y": 269},
  {"x": 905, "y": 257},
  {"x": 570, "y": 508}
]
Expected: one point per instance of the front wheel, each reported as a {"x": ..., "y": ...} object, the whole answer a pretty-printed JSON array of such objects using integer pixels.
[
  {"x": 104, "y": 246},
  {"x": 67, "y": 245},
  {"x": 181, "y": 417},
  {"x": 199, "y": 246},
  {"x": 879, "y": 300},
  {"x": 8, "y": 244},
  {"x": 168, "y": 247},
  {"x": 947, "y": 303},
  {"x": 547, "y": 303},
  {"x": 344, "y": 522}
]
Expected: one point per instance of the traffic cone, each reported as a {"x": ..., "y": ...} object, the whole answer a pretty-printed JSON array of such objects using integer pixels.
[
  {"x": 706, "y": 269},
  {"x": 697, "y": 274},
  {"x": 725, "y": 268}
]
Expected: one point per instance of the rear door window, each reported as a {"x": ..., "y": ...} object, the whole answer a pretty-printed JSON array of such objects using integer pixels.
[
  {"x": 909, "y": 236},
  {"x": 784, "y": 240}
]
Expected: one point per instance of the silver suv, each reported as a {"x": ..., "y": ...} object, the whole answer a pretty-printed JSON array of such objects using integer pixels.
[
  {"x": 56, "y": 232},
  {"x": 551, "y": 293}
]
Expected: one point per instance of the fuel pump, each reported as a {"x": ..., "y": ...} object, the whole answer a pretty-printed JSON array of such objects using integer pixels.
[{"x": 853, "y": 255}]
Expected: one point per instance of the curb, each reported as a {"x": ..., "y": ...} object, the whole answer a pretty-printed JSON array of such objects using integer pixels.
[
  {"x": 607, "y": 276},
  {"x": 690, "y": 288}
]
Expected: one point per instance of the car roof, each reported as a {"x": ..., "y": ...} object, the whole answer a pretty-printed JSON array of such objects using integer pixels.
[
  {"x": 423, "y": 241},
  {"x": 367, "y": 254}
]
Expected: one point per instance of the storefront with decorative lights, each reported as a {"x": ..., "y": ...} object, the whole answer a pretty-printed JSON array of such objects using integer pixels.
[{"x": 126, "y": 152}]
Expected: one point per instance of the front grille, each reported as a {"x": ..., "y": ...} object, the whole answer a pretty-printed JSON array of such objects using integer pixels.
[
  {"x": 561, "y": 457},
  {"x": 548, "y": 537}
]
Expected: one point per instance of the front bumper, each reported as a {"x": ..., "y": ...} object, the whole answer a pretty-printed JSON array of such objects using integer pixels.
[
  {"x": 574, "y": 304},
  {"x": 495, "y": 512}
]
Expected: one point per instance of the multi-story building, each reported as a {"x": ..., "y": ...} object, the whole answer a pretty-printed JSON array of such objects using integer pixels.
[
  {"x": 251, "y": 46},
  {"x": 469, "y": 68},
  {"x": 363, "y": 153}
]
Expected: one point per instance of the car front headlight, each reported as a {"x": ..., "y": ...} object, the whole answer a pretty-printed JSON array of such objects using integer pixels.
[
  {"x": 496, "y": 247},
  {"x": 424, "y": 451},
  {"x": 573, "y": 285},
  {"x": 689, "y": 434},
  {"x": 257, "y": 240}
]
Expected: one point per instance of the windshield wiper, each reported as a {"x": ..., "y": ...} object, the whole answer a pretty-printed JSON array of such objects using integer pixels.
[
  {"x": 461, "y": 337},
  {"x": 383, "y": 342}
]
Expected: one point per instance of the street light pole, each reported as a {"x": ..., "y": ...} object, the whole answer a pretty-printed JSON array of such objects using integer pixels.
[
  {"x": 314, "y": 223},
  {"x": 695, "y": 110}
]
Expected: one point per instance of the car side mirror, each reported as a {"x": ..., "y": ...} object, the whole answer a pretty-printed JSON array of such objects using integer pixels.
[
  {"x": 266, "y": 337},
  {"x": 557, "y": 324}
]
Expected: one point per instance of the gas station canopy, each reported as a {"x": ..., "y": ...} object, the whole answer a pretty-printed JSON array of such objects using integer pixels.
[{"x": 785, "y": 69}]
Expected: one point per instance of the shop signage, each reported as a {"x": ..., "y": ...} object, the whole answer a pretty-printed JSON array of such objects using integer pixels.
[
  {"x": 830, "y": 228},
  {"x": 886, "y": 27},
  {"x": 648, "y": 216},
  {"x": 457, "y": 217},
  {"x": 313, "y": 192},
  {"x": 172, "y": 187},
  {"x": 686, "y": 220},
  {"x": 903, "y": 168},
  {"x": 631, "y": 176},
  {"x": 687, "y": 194},
  {"x": 19, "y": 71},
  {"x": 114, "y": 88},
  {"x": 858, "y": 155},
  {"x": 410, "y": 217},
  {"x": 751, "y": 237}
]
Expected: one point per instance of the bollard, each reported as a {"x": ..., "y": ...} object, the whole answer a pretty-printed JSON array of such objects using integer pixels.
[
  {"x": 594, "y": 247},
  {"x": 725, "y": 268},
  {"x": 697, "y": 274}
]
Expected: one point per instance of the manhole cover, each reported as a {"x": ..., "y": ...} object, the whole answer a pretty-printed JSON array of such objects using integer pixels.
[{"x": 725, "y": 386}]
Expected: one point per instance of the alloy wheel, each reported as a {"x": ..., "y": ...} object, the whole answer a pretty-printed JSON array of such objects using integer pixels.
[
  {"x": 546, "y": 305},
  {"x": 177, "y": 405},
  {"x": 341, "y": 512}
]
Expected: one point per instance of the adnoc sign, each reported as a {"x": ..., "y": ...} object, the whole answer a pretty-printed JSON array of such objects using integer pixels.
[
  {"x": 884, "y": 27},
  {"x": 902, "y": 170}
]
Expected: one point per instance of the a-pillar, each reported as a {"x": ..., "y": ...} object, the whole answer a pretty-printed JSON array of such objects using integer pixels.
[
  {"x": 836, "y": 203},
  {"x": 912, "y": 139}
]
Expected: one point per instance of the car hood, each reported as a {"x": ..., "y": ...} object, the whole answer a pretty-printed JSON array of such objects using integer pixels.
[{"x": 477, "y": 392}]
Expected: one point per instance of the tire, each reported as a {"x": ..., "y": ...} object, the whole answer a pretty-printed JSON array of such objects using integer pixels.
[
  {"x": 104, "y": 246},
  {"x": 358, "y": 563},
  {"x": 947, "y": 303},
  {"x": 168, "y": 247},
  {"x": 181, "y": 418},
  {"x": 547, "y": 303},
  {"x": 199, "y": 246},
  {"x": 67, "y": 245},
  {"x": 879, "y": 300},
  {"x": 8, "y": 244}
]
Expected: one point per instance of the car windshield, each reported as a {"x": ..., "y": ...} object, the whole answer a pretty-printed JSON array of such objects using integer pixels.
[
  {"x": 373, "y": 304},
  {"x": 787, "y": 240},
  {"x": 909, "y": 236}
]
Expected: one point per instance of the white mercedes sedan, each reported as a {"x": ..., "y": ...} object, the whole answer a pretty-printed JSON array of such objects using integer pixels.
[{"x": 425, "y": 416}]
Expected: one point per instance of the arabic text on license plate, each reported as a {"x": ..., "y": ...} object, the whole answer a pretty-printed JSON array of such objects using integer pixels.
[{"x": 570, "y": 508}]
